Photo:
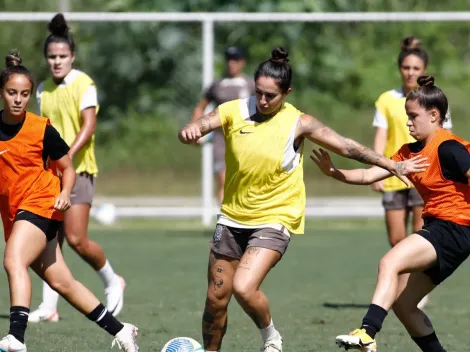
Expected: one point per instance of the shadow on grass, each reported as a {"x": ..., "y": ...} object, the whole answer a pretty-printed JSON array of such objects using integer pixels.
[{"x": 344, "y": 305}]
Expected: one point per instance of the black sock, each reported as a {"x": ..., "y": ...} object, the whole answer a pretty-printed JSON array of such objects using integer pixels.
[
  {"x": 373, "y": 320},
  {"x": 105, "y": 320},
  {"x": 18, "y": 322},
  {"x": 429, "y": 343}
]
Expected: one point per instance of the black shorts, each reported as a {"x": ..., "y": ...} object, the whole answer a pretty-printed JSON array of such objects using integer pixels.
[
  {"x": 48, "y": 226},
  {"x": 452, "y": 244}
]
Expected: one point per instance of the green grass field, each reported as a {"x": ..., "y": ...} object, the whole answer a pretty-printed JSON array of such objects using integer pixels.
[{"x": 320, "y": 289}]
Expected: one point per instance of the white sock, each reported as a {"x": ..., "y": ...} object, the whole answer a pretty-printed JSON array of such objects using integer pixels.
[
  {"x": 269, "y": 333},
  {"x": 213, "y": 351},
  {"x": 50, "y": 298},
  {"x": 108, "y": 275}
]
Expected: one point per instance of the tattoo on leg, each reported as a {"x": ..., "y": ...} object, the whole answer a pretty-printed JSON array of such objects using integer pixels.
[
  {"x": 250, "y": 253},
  {"x": 208, "y": 318},
  {"x": 213, "y": 257},
  {"x": 207, "y": 339},
  {"x": 253, "y": 251},
  {"x": 218, "y": 283},
  {"x": 209, "y": 323},
  {"x": 210, "y": 329},
  {"x": 217, "y": 277},
  {"x": 427, "y": 321}
]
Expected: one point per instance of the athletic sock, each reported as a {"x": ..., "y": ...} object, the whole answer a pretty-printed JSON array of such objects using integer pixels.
[
  {"x": 50, "y": 298},
  {"x": 105, "y": 320},
  {"x": 18, "y": 322},
  {"x": 269, "y": 333},
  {"x": 373, "y": 320},
  {"x": 108, "y": 275},
  {"x": 429, "y": 343}
]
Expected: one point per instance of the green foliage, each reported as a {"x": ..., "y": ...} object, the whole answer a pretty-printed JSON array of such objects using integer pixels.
[{"x": 149, "y": 75}]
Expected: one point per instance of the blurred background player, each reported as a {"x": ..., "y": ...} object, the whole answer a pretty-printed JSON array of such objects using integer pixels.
[
  {"x": 265, "y": 200},
  {"x": 233, "y": 85},
  {"x": 69, "y": 100},
  {"x": 32, "y": 202},
  {"x": 391, "y": 133}
]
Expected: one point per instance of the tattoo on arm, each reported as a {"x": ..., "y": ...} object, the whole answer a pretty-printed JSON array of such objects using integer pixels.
[
  {"x": 400, "y": 166},
  {"x": 361, "y": 153},
  {"x": 204, "y": 122},
  {"x": 351, "y": 149}
]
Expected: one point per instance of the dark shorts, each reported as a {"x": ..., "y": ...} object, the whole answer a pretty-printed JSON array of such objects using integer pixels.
[
  {"x": 218, "y": 143},
  {"x": 452, "y": 244},
  {"x": 232, "y": 242},
  {"x": 84, "y": 189},
  {"x": 406, "y": 198},
  {"x": 48, "y": 226}
]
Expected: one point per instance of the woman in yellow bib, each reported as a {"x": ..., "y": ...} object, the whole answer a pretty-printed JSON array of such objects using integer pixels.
[
  {"x": 264, "y": 195},
  {"x": 391, "y": 133},
  {"x": 69, "y": 100}
]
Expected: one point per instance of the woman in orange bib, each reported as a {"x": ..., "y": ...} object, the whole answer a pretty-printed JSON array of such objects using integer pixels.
[
  {"x": 32, "y": 205},
  {"x": 433, "y": 253}
]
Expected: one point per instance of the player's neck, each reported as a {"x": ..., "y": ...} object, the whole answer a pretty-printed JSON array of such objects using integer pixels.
[
  {"x": 59, "y": 80},
  {"x": 430, "y": 137},
  {"x": 7, "y": 119},
  {"x": 259, "y": 117}
]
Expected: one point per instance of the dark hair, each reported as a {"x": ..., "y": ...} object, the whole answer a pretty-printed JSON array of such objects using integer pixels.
[
  {"x": 429, "y": 96},
  {"x": 13, "y": 67},
  {"x": 59, "y": 33},
  {"x": 278, "y": 68},
  {"x": 412, "y": 46}
]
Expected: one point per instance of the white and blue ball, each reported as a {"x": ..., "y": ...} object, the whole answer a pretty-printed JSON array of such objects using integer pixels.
[{"x": 182, "y": 344}]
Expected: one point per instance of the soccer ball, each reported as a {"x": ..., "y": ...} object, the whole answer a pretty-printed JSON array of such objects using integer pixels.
[
  {"x": 106, "y": 214},
  {"x": 182, "y": 344}
]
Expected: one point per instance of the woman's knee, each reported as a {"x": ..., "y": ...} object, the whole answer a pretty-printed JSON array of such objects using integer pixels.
[
  {"x": 217, "y": 299},
  {"x": 13, "y": 265},
  {"x": 396, "y": 234},
  {"x": 62, "y": 285},
  {"x": 401, "y": 309},
  {"x": 77, "y": 241},
  {"x": 388, "y": 265},
  {"x": 243, "y": 290}
]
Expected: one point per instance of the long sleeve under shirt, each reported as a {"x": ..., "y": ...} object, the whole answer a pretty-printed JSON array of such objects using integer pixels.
[
  {"x": 54, "y": 146},
  {"x": 454, "y": 159}
]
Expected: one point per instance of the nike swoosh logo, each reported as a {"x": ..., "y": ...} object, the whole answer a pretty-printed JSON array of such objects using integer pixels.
[
  {"x": 244, "y": 132},
  {"x": 265, "y": 238},
  {"x": 3, "y": 152}
]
